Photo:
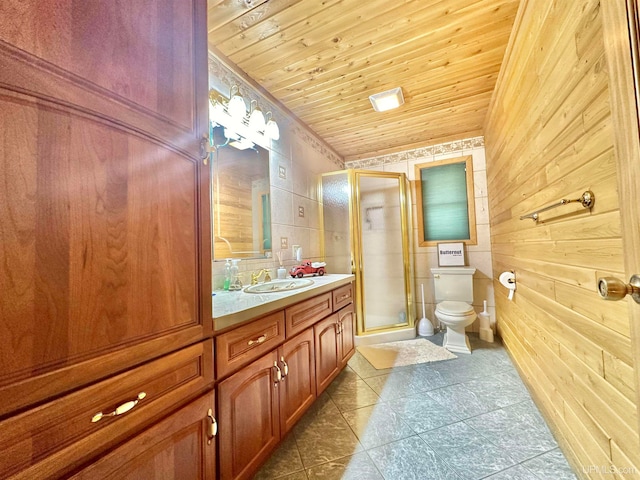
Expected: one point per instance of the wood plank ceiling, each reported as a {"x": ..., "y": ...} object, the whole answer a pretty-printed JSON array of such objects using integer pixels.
[{"x": 323, "y": 58}]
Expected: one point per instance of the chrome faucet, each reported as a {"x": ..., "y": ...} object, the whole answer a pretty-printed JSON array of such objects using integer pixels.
[{"x": 255, "y": 276}]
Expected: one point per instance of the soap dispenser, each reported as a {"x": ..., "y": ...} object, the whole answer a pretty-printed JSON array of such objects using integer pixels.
[
  {"x": 235, "y": 284},
  {"x": 227, "y": 275}
]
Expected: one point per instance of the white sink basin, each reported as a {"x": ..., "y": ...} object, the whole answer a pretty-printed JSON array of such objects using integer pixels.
[{"x": 279, "y": 286}]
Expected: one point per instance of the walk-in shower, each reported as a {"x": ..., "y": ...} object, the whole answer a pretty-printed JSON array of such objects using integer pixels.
[{"x": 367, "y": 232}]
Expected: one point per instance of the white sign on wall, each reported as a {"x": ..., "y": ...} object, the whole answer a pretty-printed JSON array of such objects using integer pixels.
[{"x": 451, "y": 254}]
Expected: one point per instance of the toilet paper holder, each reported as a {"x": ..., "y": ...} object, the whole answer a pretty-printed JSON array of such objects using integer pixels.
[{"x": 508, "y": 280}]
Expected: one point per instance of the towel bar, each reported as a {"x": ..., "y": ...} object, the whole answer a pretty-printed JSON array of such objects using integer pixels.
[{"x": 587, "y": 200}]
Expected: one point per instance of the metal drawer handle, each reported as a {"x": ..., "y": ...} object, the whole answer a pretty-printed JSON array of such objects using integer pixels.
[
  {"x": 122, "y": 409},
  {"x": 344, "y": 297},
  {"x": 285, "y": 367},
  {"x": 213, "y": 427},
  {"x": 278, "y": 374},
  {"x": 260, "y": 339}
]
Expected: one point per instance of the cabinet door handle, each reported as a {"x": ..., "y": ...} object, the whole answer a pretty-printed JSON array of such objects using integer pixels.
[
  {"x": 285, "y": 367},
  {"x": 260, "y": 339},
  {"x": 338, "y": 327},
  {"x": 278, "y": 373},
  {"x": 120, "y": 410},
  {"x": 213, "y": 427}
]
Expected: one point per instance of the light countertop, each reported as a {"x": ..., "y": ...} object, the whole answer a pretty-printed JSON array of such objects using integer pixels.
[{"x": 233, "y": 308}]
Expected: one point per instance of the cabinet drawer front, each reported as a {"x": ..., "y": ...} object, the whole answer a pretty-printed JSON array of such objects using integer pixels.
[
  {"x": 241, "y": 346},
  {"x": 342, "y": 296},
  {"x": 54, "y": 438},
  {"x": 179, "y": 446},
  {"x": 303, "y": 315}
]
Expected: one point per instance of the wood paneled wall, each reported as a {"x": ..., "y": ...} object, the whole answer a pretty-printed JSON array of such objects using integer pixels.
[{"x": 548, "y": 136}]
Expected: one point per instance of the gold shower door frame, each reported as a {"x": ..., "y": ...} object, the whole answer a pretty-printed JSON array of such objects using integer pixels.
[{"x": 358, "y": 266}]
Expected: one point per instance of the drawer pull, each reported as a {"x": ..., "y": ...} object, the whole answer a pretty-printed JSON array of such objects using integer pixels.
[
  {"x": 213, "y": 427},
  {"x": 122, "y": 409},
  {"x": 278, "y": 373},
  {"x": 260, "y": 339},
  {"x": 344, "y": 297},
  {"x": 285, "y": 367}
]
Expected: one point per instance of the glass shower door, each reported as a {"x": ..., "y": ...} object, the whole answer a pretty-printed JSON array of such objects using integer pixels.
[
  {"x": 366, "y": 223},
  {"x": 382, "y": 251}
]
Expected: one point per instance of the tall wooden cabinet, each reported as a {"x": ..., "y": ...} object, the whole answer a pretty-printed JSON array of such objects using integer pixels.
[{"x": 104, "y": 214}]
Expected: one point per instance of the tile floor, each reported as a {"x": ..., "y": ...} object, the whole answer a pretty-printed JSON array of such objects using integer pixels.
[{"x": 464, "y": 419}]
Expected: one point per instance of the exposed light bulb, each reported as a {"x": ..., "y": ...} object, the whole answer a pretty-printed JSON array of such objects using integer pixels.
[
  {"x": 272, "y": 130},
  {"x": 256, "y": 120},
  {"x": 237, "y": 107}
]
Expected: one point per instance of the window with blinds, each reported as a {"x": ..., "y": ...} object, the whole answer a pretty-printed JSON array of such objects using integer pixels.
[{"x": 445, "y": 201}]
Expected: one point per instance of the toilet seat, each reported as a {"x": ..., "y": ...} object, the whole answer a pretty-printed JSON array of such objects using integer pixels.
[{"x": 455, "y": 309}]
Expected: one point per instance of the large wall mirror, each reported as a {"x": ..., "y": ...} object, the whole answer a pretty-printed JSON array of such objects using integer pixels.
[{"x": 241, "y": 197}]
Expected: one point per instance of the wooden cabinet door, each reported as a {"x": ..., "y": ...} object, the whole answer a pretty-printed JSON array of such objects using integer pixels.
[
  {"x": 104, "y": 201},
  {"x": 298, "y": 387},
  {"x": 346, "y": 337},
  {"x": 327, "y": 351},
  {"x": 249, "y": 427},
  {"x": 180, "y": 447}
]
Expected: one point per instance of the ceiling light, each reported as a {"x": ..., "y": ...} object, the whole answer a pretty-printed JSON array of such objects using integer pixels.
[{"x": 387, "y": 100}]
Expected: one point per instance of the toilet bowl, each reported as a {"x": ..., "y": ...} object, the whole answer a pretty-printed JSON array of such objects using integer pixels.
[
  {"x": 456, "y": 316},
  {"x": 454, "y": 298}
]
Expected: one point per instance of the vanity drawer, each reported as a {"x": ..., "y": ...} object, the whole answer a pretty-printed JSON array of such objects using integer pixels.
[
  {"x": 342, "y": 296},
  {"x": 304, "y": 314},
  {"x": 51, "y": 440},
  {"x": 244, "y": 344}
]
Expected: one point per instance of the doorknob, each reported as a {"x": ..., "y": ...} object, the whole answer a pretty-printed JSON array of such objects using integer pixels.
[{"x": 611, "y": 288}]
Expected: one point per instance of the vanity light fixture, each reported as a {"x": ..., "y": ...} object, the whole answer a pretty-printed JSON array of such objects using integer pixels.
[
  {"x": 387, "y": 100},
  {"x": 233, "y": 114}
]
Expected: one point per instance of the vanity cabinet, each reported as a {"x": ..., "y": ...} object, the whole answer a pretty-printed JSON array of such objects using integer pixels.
[
  {"x": 260, "y": 402},
  {"x": 334, "y": 340}
]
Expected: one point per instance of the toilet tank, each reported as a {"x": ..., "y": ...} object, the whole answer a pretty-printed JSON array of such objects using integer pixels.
[{"x": 453, "y": 284}]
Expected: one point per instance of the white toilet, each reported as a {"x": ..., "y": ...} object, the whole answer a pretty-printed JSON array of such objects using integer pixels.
[{"x": 454, "y": 296}]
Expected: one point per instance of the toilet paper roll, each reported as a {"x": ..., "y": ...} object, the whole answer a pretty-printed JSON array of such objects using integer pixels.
[{"x": 508, "y": 279}]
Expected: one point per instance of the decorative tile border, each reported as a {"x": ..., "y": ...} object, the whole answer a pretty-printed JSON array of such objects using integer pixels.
[
  {"x": 318, "y": 146},
  {"x": 418, "y": 153}
]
